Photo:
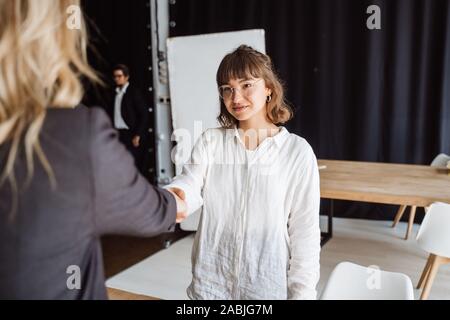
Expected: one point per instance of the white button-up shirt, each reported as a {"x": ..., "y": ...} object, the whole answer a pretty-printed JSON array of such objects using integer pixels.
[
  {"x": 119, "y": 123},
  {"x": 259, "y": 235}
]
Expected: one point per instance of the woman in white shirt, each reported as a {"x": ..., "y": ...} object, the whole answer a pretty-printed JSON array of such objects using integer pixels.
[{"x": 258, "y": 186}]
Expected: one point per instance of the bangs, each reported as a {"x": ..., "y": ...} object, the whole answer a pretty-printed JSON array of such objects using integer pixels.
[
  {"x": 247, "y": 63},
  {"x": 238, "y": 66}
]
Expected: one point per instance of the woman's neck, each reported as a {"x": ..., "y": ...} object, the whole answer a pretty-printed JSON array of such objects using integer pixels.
[
  {"x": 253, "y": 133},
  {"x": 257, "y": 123}
]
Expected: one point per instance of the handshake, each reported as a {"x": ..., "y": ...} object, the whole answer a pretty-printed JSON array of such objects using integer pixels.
[{"x": 180, "y": 198}]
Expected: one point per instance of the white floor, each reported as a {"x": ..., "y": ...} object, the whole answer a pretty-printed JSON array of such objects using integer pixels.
[{"x": 167, "y": 273}]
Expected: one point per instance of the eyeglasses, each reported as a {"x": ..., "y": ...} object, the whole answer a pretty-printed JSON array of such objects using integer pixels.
[{"x": 247, "y": 88}]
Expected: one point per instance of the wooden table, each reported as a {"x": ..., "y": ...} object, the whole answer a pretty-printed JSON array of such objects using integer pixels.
[
  {"x": 116, "y": 294},
  {"x": 388, "y": 183}
]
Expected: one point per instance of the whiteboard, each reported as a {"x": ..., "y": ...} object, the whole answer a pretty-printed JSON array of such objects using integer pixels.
[{"x": 193, "y": 62}]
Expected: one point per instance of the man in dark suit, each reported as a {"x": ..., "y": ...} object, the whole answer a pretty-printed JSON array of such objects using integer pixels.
[{"x": 129, "y": 114}]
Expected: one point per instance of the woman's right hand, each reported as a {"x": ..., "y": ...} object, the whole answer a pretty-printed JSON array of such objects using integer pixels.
[{"x": 180, "y": 198}]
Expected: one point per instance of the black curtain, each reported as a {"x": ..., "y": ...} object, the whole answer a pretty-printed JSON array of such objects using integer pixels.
[
  {"x": 359, "y": 94},
  {"x": 120, "y": 33}
]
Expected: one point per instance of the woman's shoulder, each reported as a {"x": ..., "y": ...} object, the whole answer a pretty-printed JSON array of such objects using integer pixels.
[
  {"x": 218, "y": 131},
  {"x": 81, "y": 120},
  {"x": 78, "y": 113},
  {"x": 299, "y": 144},
  {"x": 301, "y": 151},
  {"x": 214, "y": 139}
]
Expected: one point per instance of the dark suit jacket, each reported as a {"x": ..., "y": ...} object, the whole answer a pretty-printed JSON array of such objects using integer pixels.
[
  {"x": 99, "y": 191},
  {"x": 134, "y": 111}
]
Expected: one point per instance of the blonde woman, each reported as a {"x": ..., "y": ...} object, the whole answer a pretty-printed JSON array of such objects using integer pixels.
[
  {"x": 258, "y": 186},
  {"x": 65, "y": 178}
]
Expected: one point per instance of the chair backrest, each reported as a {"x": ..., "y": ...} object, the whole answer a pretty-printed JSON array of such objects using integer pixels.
[
  {"x": 440, "y": 160},
  {"x": 350, "y": 281},
  {"x": 434, "y": 232}
]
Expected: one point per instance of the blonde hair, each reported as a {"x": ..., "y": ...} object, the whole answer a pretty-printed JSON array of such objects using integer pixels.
[
  {"x": 246, "y": 62},
  {"x": 41, "y": 63}
]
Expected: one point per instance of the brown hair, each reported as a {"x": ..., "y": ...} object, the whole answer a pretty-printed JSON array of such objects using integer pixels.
[{"x": 247, "y": 62}]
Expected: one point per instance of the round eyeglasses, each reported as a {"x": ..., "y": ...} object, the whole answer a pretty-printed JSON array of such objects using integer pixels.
[{"x": 246, "y": 89}]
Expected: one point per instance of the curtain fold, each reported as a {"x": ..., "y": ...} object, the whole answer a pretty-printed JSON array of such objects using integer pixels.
[{"x": 359, "y": 94}]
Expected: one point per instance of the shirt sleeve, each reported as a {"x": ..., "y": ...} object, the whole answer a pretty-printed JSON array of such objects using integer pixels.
[
  {"x": 304, "y": 232},
  {"x": 193, "y": 175},
  {"x": 124, "y": 201}
]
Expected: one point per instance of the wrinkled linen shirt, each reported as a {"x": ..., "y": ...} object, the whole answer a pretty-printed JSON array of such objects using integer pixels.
[{"x": 259, "y": 234}]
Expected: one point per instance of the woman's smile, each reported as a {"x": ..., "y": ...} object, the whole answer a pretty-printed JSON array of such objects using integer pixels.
[{"x": 239, "y": 108}]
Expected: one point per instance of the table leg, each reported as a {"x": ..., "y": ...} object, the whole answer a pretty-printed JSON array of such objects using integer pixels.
[{"x": 325, "y": 236}]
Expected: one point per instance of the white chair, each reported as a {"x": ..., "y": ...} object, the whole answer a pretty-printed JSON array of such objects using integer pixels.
[
  {"x": 350, "y": 281},
  {"x": 439, "y": 161},
  {"x": 434, "y": 237}
]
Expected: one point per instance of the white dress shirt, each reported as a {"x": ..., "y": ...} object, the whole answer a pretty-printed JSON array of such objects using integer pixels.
[
  {"x": 119, "y": 123},
  {"x": 259, "y": 235}
]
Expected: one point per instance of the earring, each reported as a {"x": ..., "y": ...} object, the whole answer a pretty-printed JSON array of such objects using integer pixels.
[{"x": 269, "y": 98}]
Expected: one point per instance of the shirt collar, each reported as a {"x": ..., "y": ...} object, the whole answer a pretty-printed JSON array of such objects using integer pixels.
[
  {"x": 279, "y": 138},
  {"x": 123, "y": 89}
]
